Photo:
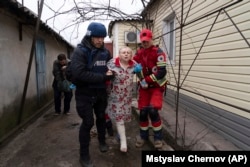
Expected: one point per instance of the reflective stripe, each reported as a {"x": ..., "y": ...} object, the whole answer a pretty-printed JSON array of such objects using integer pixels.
[
  {"x": 144, "y": 128},
  {"x": 140, "y": 75},
  {"x": 161, "y": 64},
  {"x": 152, "y": 76},
  {"x": 162, "y": 81},
  {"x": 157, "y": 128}
]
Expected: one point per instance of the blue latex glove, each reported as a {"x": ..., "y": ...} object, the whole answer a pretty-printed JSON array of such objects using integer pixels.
[
  {"x": 72, "y": 86},
  {"x": 144, "y": 84},
  {"x": 137, "y": 68}
]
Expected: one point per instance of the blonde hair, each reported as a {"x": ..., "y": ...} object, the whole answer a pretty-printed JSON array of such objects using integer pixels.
[{"x": 126, "y": 47}]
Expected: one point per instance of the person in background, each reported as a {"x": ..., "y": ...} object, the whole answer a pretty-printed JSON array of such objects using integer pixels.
[
  {"x": 152, "y": 85},
  {"x": 59, "y": 67},
  {"x": 120, "y": 98},
  {"x": 89, "y": 68}
]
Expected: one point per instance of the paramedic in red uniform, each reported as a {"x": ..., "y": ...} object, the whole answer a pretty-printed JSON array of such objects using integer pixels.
[{"x": 152, "y": 84}]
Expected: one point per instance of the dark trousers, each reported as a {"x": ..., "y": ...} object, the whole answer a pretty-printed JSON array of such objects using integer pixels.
[
  {"x": 155, "y": 121},
  {"x": 86, "y": 105},
  {"x": 58, "y": 99}
]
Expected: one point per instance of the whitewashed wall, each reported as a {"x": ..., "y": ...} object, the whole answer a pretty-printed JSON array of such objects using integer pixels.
[{"x": 14, "y": 59}]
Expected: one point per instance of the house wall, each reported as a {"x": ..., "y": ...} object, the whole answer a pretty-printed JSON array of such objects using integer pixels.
[
  {"x": 118, "y": 32},
  {"x": 109, "y": 46},
  {"x": 221, "y": 70},
  {"x": 14, "y": 58}
]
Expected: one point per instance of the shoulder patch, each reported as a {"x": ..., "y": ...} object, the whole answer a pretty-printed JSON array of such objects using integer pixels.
[{"x": 160, "y": 58}]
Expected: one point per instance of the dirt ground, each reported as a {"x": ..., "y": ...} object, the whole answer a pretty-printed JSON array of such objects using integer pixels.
[{"x": 52, "y": 141}]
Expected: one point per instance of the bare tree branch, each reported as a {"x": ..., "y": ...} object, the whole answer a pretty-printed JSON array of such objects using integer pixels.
[{"x": 87, "y": 10}]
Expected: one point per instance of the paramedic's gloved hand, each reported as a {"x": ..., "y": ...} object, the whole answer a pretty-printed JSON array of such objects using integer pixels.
[
  {"x": 137, "y": 68},
  {"x": 108, "y": 76},
  {"x": 144, "y": 84},
  {"x": 72, "y": 86}
]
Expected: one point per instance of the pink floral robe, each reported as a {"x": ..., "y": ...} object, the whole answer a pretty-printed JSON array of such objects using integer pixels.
[{"x": 120, "y": 97}]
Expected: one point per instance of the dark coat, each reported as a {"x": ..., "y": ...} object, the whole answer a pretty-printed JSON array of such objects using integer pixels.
[
  {"x": 58, "y": 74},
  {"x": 88, "y": 75}
]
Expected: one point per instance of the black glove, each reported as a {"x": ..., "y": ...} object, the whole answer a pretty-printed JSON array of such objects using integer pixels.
[{"x": 108, "y": 77}]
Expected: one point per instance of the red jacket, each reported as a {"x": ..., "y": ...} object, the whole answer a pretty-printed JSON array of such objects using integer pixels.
[{"x": 153, "y": 61}]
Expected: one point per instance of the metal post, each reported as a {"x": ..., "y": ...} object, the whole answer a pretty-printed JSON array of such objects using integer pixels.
[
  {"x": 40, "y": 8},
  {"x": 179, "y": 73}
]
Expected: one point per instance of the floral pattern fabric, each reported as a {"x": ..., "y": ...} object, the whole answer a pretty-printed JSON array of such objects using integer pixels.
[{"x": 120, "y": 97}]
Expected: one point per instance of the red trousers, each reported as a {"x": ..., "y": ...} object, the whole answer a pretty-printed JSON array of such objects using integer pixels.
[{"x": 150, "y": 97}]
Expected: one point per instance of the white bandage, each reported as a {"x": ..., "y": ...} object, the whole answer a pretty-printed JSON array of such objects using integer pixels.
[{"x": 121, "y": 130}]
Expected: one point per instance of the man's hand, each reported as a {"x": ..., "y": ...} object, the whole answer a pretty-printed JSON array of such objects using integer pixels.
[
  {"x": 109, "y": 75},
  {"x": 109, "y": 72},
  {"x": 63, "y": 67}
]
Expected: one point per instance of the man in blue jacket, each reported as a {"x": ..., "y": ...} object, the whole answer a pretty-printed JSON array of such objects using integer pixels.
[{"x": 88, "y": 67}]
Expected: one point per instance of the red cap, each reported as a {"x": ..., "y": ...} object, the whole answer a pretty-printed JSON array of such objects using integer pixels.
[{"x": 146, "y": 35}]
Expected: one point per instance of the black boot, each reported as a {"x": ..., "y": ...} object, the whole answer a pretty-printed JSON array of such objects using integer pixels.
[
  {"x": 86, "y": 162},
  {"x": 103, "y": 147}
]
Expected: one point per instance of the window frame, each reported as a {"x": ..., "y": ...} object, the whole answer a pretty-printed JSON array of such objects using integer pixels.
[{"x": 169, "y": 38}]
